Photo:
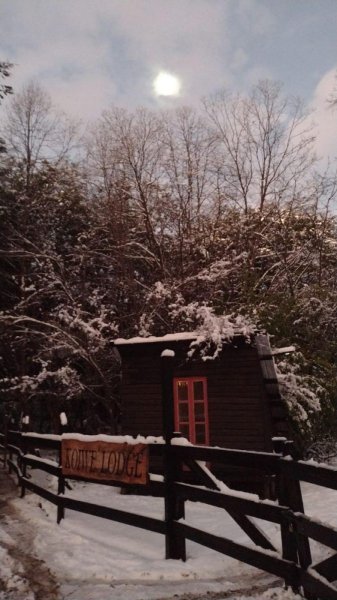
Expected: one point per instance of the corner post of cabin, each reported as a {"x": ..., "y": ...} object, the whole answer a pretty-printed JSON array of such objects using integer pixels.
[{"x": 175, "y": 546}]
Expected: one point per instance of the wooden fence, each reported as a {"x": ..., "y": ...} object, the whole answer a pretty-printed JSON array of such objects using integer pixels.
[{"x": 294, "y": 564}]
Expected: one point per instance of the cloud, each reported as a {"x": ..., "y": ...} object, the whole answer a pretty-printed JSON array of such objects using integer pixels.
[
  {"x": 86, "y": 98},
  {"x": 119, "y": 45},
  {"x": 61, "y": 47},
  {"x": 122, "y": 45},
  {"x": 255, "y": 16},
  {"x": 239, "y": 59},
  {"x": 90, "y": 54},
  {"x": 325, "y": 117}
]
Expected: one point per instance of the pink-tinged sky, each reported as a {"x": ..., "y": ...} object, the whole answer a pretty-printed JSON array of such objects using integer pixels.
[{"x": 89, "y": 54}]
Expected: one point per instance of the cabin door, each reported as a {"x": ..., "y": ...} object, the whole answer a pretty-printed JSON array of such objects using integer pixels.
[{"x": 191, "y": 408}]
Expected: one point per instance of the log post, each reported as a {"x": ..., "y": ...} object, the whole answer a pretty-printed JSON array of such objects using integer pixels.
[
  {"x": 295, "y": 502},
  {"x": 295, "y": 546},
  {"x": 22, "y": 464},
  {"x": 175, "y": 546},
  {"x": 6, "y": 420},
  {"x": 289, "y": 542},
  {"x": 60, "y": 489},
  {"x": 180, "y": 502},
  {"x": 25, "y": 423},
  {"x": 10, "y": 452}
]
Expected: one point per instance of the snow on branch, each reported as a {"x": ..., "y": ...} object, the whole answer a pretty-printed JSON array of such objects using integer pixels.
[
  {"x": 302, "y": 392},
  {"x": 215, "y": 330},
  {"x": 46, "y": 379}
]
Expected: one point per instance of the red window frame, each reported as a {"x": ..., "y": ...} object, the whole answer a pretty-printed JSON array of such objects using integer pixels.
[{"x": 188, "y": 424}]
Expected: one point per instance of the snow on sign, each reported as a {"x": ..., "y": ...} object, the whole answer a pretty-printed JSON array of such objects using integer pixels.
[{"x": 106, "y": 461}]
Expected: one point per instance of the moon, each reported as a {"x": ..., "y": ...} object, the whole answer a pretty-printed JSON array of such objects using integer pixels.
[{"x": 166, "y": 84}]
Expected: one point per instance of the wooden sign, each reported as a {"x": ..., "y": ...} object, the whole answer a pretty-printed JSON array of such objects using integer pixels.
[{"x": 105, "y": 461}]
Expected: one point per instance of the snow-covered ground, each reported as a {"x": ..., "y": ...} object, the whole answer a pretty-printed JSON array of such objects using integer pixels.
[{"x": 96, "y": 559}]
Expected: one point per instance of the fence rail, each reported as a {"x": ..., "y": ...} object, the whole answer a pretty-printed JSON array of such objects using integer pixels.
[
  {"x": 294, "y": 565},
  {"x": 264, "y": 461}
]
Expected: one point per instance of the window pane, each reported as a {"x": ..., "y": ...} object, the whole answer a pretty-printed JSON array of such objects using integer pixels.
[
  {"x": 182, "y": 390},
  {"x": 199, "y": 411},
  {"x": 183, "y": 412},
  {"x": 198, "y": 390},
  {"x": 184, "y": 430},
  {"x": 200, "y": 434}
]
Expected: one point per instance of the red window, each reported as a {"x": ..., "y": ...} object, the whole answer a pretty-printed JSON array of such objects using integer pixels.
[{"x": 190, "y": 408}]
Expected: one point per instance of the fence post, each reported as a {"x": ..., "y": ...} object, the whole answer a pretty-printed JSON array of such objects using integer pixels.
[
  {"x": 22, "y": 464},
  {"x": 180, "y": 502},
  {"x": 288, "y": 537},
  {"x": 10, "y": 453},
  {"x": 175, "y": 546},
  {"x": 6, "y": 419},
  {"x": 25, "y": 423},
  {"x": 296, "y": 546},
  {"x": 60, "y": 489},
  {"x": 295, "y": 502}
]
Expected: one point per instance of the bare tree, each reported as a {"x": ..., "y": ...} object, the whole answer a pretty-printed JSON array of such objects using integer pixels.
[
  {"x": 265, "y": 145},
  {"x": 126, "y": 158},
  {"x": 188, "y": 180},
  {"x": 5, "y": 69},
  {"x": 5, "y": 90},
  {"x": 35, "y": 131}
]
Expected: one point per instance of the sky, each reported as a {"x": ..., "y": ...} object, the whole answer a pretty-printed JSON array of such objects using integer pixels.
[{"x": 89, "y": 54}]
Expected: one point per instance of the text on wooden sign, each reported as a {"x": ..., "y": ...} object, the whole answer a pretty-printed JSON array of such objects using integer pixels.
[{"x": 105, "y": 461}]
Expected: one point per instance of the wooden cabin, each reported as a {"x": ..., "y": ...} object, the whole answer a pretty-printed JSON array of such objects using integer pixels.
[{"x": 231, "y": 401}]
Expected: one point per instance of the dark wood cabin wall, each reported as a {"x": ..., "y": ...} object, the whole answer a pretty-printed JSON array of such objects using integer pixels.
[{"x": 237, "y": 404}]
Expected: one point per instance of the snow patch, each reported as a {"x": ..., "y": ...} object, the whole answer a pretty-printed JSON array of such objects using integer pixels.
[
  {"x": 168, "y": 352},
  {"x": 115, "y": 439},
  {"x": 170, "y": 337}
]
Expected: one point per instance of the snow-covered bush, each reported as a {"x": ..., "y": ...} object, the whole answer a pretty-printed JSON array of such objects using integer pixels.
[
  {"x": 215, "y": 222},
  {"x": 302, "y": 392}
]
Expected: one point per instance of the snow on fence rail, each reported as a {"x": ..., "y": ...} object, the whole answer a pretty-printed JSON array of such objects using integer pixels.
[{"x": 294, "y": 565}]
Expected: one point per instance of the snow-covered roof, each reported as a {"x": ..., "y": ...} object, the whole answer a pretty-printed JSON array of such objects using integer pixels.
[
  {"x": 173, "y": 337},
  {"x": 169, "y": 337},
  {"x": 285, "y": 350}
]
